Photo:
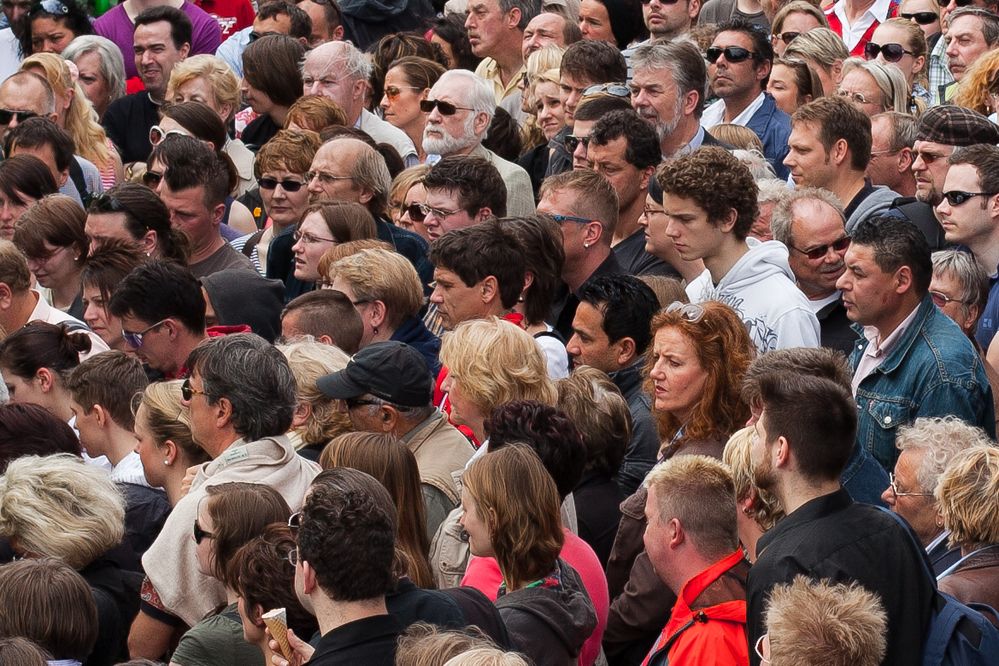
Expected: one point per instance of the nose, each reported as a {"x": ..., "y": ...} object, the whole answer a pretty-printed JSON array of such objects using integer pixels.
[
  {"x": 385, "y": 102},
  {"x": 438, "y": 298},
  {"x": 843, "y": 283},
  {"x": 580, "y": 152},
  {"x": 888, "y": 497},
  {"x": 314, "y": 88}
]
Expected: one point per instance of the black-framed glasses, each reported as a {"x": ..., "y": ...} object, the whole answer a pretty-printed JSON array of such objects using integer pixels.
[
  {"x": 572, "y": 142},
  {"x": 957, "y": 197},
  {"x": 614, "y": 89},
  {"x": 415, "y": 212},
  {"x": 892, "y": 52},
  {"x": 732, "y": 54},
  {"x": 957, "y": 3},
  {"x": 922, "y": 18},
  {"x": 287, "y": 184},
  {"x": 570, "y": 218},
  {"x": 200, "y": 534},
  {"x": 6, "y": 115},
  {"x": 134, "y": 339},
  {"x": 893, "y": 484},
  {"x": 446, "y": 108},
  {"x": 786, "y": 37},
  {"x": 187, "y": 392},
  {"x": 691, "y": 312},
  {"x": 941, "y": 299},
  {"x": 354, "y": 403},
  {"x": 838, "y": 245},
  {"x": 152, "y": 179}
]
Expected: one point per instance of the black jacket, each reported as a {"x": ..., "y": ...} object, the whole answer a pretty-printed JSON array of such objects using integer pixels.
[
  {"x": 370, "y": 641},
  {"x": 835, "y": 328},
  {"x": 643, "y": 449}
]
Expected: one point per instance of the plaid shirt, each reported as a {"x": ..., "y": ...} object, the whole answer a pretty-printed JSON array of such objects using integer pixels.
[{"x": 939, "y": 73}]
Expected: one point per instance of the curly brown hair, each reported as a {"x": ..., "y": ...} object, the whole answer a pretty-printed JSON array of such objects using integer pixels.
[{"x": 718, "y": 182}]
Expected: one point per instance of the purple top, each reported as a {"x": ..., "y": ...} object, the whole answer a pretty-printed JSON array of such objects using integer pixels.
[{"x": 116, "y": 26}]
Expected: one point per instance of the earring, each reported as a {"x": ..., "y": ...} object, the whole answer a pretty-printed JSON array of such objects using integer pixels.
[
  {"x": 166, "y": 462},
  {"x": 374, "y": 329},
  {"x": 586, "y": 246}
]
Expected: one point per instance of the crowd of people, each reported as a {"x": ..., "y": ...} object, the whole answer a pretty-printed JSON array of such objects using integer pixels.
[{"x": 499, "y": 332}]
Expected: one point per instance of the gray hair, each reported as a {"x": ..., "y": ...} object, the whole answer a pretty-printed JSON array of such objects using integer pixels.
[
  {"x": 356, "y": 64},
  {"x": 990, "y": 22},
  {"x": 889, "y": 80},
  {"x": 758, "y": 165},
  {"x": 112, "y": 65},
  {"x": 369, "y": 170},
  {"x": 973, "y": 279},
  {"x": 683, "y": 60},
  {"x": 528, "y": 10},
  {"x": 254, "y": 377},
  {"x": 772, "y": 190},
  {"x": 479, "y": 95},
  {"x": 940, "y": 439},
  {"x": 903, "y": 129},
  {"x": 783, "y": 215}
]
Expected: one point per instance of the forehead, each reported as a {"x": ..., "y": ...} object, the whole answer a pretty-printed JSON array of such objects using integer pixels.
[
  {"x": 811, "y": 216},
  {"x": 276, "y": 23},
  {"x": 804, "y": 131},
  {"x": 933, "y": 148},
  {"x": 886, "y": 32},
  {"x": 323, "y": 62},
  {"x": 858, "y": 78},
  {"x": 583, "y": 127},
  {"x": 191, "y": 197},
  {"x": 675, "y": 204},
  {"x": 105, "y": 221},
  {"x": 557, "y": 201},
  {"x": 612, "y": 150},
  {"x": 863, "y": 256},
  {"x": 452, "y": 89},
  {"x": 965, "y": 24},
  {"x": 328, "y": 156},
  {"x": 442, "y": 197},
  {"x": 733, "y": 38},
  {"x": 480, "y": 5},
  {"x": 442, "y": 274},
  {"x": 648, "y": 76},
  {"x": 546, "y": 21},
  {"x": 962, "y": 173},
  {"x": 25, "y": 93},
  {"x": 570, "y": 79},
  {"x": 149, "y": 33}
]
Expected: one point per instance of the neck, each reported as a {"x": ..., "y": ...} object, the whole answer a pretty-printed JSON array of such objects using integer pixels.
[
  {"x": 224, "y": 439},
  {"x": 384, "y": 334},
  {"x": 157, "y": 94},
  {"x": 687, "y": 566},
  {"x": 119, "y": 444},
  {"x": 795, "y": 491},
  {"x": 856, "y": 8},
  {"x": 627, "y": 219},
  {"x": 173, "y": 484},
  {"x": 906, "y": 185},
  {"x": 333, "y": 614},
  {"x": 986, "y": 251},
  {"x": 205, "y": 247},
  {"x": 749, "y": 536},
  {"x": 59, "y": 403},
  {"x": 510, "y": 59},
  {"x": 750, "y": 6},
  {"x": 813, "y": 293},
  {"x": 575, "y": 276},
  {"x": 728, "y": 254},
  {"x": 681, "y": 136},
  {"x": 887, "y": 325},
  {"x": 22, "y": 305},
  {"x": 848, "y": 184},
  {"x": 279, "y": 114},
  {"x": 65, "y": 293},
  {"x": 186, "y": 342},
  {"x": 478, "y": 427},
  {"x": 736, "y": 104}
]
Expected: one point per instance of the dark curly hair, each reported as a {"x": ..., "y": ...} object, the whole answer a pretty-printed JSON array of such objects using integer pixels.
[
  {"x": 74, "y": 19},
  {"x": 718, "y": 182},
  {"x": 451, "y": 29}
]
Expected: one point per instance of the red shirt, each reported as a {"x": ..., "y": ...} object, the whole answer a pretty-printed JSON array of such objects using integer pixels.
[{"x": 232, "y": 15}]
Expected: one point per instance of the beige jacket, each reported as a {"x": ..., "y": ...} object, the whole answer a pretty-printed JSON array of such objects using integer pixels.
[{"x": 440, "y": 451}]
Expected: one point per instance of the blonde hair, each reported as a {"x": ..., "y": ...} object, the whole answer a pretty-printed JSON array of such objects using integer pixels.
[
  {"x": 486, "y": 656},
  {"x": 428, "y": 645},
  {"x": 821, "y": 46},
  {"x": 344, "y": 250},
  {"x": 215, "y": 71},
  {"x": 545, "y": 59},
  {"x": 737, "y": 136},
  {"x": 59, "y": 506},
  {"x": 81, "y": 118},
  {"x": 798, "y": 7},
  {"x": 404, "y": 181},
  {"x": 310, "y": 360},
  {"x": 168, "y": 420},
  {"x": 940, "y": 439},
  {"x": 966, "y": 494},
  {"x": 382, "y": 275},
  {"x": 978, "y": 83},
  {"x": 820, "y": 622},
  {"x": 766, "y": 509},
  {"x": 496, "y": 362},
  {"x": 889, "y": 80}
]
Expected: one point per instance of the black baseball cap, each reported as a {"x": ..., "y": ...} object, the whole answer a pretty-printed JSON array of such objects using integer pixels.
[{"x": 391, "y": 370}]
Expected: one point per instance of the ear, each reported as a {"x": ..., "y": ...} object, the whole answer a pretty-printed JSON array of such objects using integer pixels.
[
  {"x": 763, "y": 70},
  {"x": 170, "y": 451},
  {"x": 484, "y": 214},
  {"x": 46, "y": 379},
  {"x": 592, "y": 233},
  {"x": 325, "y": 339},
  {"x": 52, "y": 116},
  {"x": 63, "y": 177},
  {"x": 149, "y": 242},
  {"x": 903, "y": 280},
  {"x": 782, "y": 449},
  {"x": 218, "y": 213},
  {"x": 377, "y": 313},
  {"x": 625, "y": 351},
  {"x": 837, "y": 73},
  {"x": 693, "y": 9},
  {"x": 103, "y": 418},
  {"x": 513, "y": 18},
  {"x": 839, "y": 151},
  {"x": 365, "y": 196},
  {"x": 360, "y": 89},
  {"x": 917, "y": 64},
  {"x": 6, "y": 296},
  {"x": 338, "y": 33},
  {"x": 226, "y": 109},
  {"x": 223, "y": 413},
  {"x": 646, "y": 175},
  {"x": 184, "y": 51},
  {"x": 257, "y": 615},
  {"x": 481, "y": 123},
  {"x": 489, "y": 289},
  {"x": 303, "y": 411},
  {"x": 309, "y": 584},
  {"x": 690, "y": 102},
  {"x": 389, "y": 417},
  {"x": 727, "y": 224},
  {"x": 974, "y": 311},
  {"x": 904, "y": 160},
  {"x": 172, "y": 328},
  {"x": 675, "y": 536}
]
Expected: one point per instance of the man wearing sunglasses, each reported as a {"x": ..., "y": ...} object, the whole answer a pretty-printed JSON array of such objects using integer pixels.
[
  {"x": 739, "y": 63},
  {"x": 25, "y": 95}
]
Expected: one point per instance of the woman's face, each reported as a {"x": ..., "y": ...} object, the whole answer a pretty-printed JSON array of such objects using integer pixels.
[
  {"x": 26, "y": 391},
  {"x": 10, "y": 210},
  {"x": 258, "y": 100},
  {"x": 314, "y": 239},
  {"x": 677, "y": 376},
  {"x": 548, "y": 106},
  {"x": 57, "y": 266},
  {"x": 892, "y": 34},
  {"x": 920, "y": 6},
  {"x": 798, "y": 22},
  {"x": 203, "y": 550},
  {"x": 654, "y": 220},
  {"x": 446, "y": 48},
  {"x": 860, "y": 89},
  {"x": 479, "y": 541},
  {"x": 199, "y": 90},
  {"x": 156, "y": 167},
  {"x": 284, "y": 207},
  {"x": 148, "y": 450},
  {"x": 594, "y": 22},
  {"x": 417, "y": 195},
  {"x": 784, "y": 87},
  {"x": 50, "y": 35},
  {"x": 99, "y": 319},
  {"x": 463, "y": 410},
  {"x": 401, "y": 101},
  {"x": 92, "y": 80}
]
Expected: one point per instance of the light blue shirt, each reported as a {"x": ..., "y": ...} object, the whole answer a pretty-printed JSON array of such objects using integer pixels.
[{"x": 231, "y": 50}]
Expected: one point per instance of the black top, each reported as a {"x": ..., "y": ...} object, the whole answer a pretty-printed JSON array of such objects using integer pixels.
[
  {"x": 535, "y": 163},
  {"x": 832, "y": 537},
  {"x": 835, "y": 327},
  {"x": 127, "y": 122},
  {"x": 859, "y": 198},
  {"x": 921, "y": 214},
  {"x": 635, "y": 260},
  {"x": 261, "y": 130},
  {"x": 370, "y": 641},
  {"x": 565, "y": 303},
  {"x": 598, "y": 512},
  {"x": 409, "y": 603}
]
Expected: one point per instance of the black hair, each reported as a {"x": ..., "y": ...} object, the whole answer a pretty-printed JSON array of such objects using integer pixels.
[
  {"x": 474, "y": 253},
  {"x": 158, "y": 290},
  {"x": 627, "y": 305},
  {"x": 451, "y": 29},
  {"x": 38, "y": 132},
  {"x": 897, "y": 242},
  {"x": 181, "y": 28},
  {"x": 192, "y": 163},
  {"x": 643, "y": 149},
  {"x": 301, "y": 24},
  {"x": 75, "y": 19},
  {"x": 595, "y": 61},
  {"x": 476, "y": 181}
]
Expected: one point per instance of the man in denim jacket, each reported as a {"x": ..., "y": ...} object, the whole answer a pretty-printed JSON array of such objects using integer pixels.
[{"x": 912, "y": 360}]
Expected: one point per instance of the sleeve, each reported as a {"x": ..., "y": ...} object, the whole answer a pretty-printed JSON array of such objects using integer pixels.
[
  {"x": 969, "y": 400},
  {"x": 207, "y": 36},
  {"x": 438, "y": 507},
  {"x": 232, "y": 53},
  {"x": 640, "y": 456},
  {"x": 642, "y": 609},
  {"x": 520, "y": 193},
  {"x": 797, "y": 328}
]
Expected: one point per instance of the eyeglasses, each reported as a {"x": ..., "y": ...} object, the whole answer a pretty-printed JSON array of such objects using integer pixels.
[
  {"x": 957, "y": 3},
  {"x": 310, "y": 239},
  {"x": 691, "y": 312},
  {"x": 572, "y": 142},
  {"x": 892, "y": 52},
  {"x": 292, "y": 557},
  {"x": 439, "y": 213},
  {"x": 893, "y": 484},
  {"x": 446, "y": 108},
  {"x": 786, "y": 37},
  {"x": 759, "y": 649},
  {"x": 732, "y": 54},
  {"x": 570, "y": 218},
  {"x": 325, "y": 178},
  {"x": 392, "y": 92},
  {"x": 199, "y": 534},
  {"x": 6, "y": 115},
  {"x": 839, "y": 245},
  {"x": 151, "y": 179},
  {"x": 187, "y": 392},
  {"x": 856, "y": 97},
  {"x": 286, "y": 184},
  {"x": 157, "y": 134},
  {"x": 941, "y": 299},
  {"x": 134, "y": 340},
  {"x": 614, "y": 89},
  {"x": 922, "y": 18},
  {"x": 45, "y": 257},
  {"x": 957, "y": 197},
  {"x": 415, "y": 212}
]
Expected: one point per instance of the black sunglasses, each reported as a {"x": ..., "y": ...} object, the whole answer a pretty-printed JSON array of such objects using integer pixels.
[
  {"x": 922, "y": 18},
  {"x": 661, "y": 2},
  {"x": 892, "y": 52},
  {"x": 6, "y": 116},
  {"x": 415, "y": 212},
  {"x": 272, "y": 183},
  {"x": 151, "y": 179},
  {"x": 732, "y": 54},
  {"x": 818, "y": 252},
  {"x": 199, "y": 534},
  {"x": 446, "y": 108},
  {"x": 957, "y": 3},
  {"x": 786, "y": 37},
  {"x": 957, "y": 197},
  {"x": 572, "y": 142}
]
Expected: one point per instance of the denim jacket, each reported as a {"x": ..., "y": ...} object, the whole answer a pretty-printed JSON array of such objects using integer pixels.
[{"x": 933, "y": 371}]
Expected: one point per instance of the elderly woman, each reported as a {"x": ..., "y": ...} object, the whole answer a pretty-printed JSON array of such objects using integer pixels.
[
  {"x": 102, "y": 70},
  {"x": 59, "y": 506},
  {"x": 967, "y": 492},
  {"x": 757, "y": 510},
  {"x": 874, "y": 87},
  {"x": 318, "y": 418}
]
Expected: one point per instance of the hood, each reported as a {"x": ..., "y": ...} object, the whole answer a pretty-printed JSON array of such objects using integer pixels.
[
  {"x": 239, "y": 296},
  {"x": 877, "y": 202},
  {"x": 372, "y": 10},
  {"x": 763, "y": 260}
]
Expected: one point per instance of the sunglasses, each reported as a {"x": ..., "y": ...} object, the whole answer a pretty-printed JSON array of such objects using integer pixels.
[
  {"x": 822, "y": 250},
  {"x": 157, "y": 134},
  {"x": 199, "y": 534},
  {"x": 446, "y": 108},
  {"x": 922, "y": 18},
  {"x": 957, "y": 197},
  {"x": 957, "y": 3},
  {"x": 691, "y": 312},
  {"x": 892, "y": 52},
  {"x": 415, "y": 212},
  {"x": 786, "y": 37},
  {"x": 941, "y": 299},
  {"x": 134, "y": 340},
  {"x": 6, "y": 116},
  {"x": 572, "y": 142},
  {"x": 187, "y": 392},
  {"x": 613, "y": 89},
  {"x": 732, "y": 54},
  {"x": 392, "y": 92},
  {"x": 287, "y": 185},
  {"x": 151, "y": 179}
]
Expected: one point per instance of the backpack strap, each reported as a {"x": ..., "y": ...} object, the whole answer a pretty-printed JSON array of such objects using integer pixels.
[
  {"x": 76, "y": 175},
  {"x": 252, "y": 243}
]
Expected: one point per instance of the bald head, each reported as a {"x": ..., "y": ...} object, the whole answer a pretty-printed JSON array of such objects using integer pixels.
[
  {"x": 348, "y": 169},
  {"x": 28, "y": 93},
  {"x": 339, "y": 71}
]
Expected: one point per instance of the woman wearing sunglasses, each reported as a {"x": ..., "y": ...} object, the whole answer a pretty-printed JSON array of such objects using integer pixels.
[
  {"x": 407, "y": 82},
  {"x": 51, "y": 25},
  {"x": 229, "y": 516},
  {"x": 901, "y": 43},
  {"x": 925, "y": 14},
  {"x": 793, "y": 19},
  {"x": 405, "y": 195}
]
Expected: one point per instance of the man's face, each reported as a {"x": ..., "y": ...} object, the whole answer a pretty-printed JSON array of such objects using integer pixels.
[
  {"x": 275, "y": 25},
  {"x": 808, "y": 159},
  {"x": 544, "y": 29},
  {"x": 693, "y": 235},
  {"x": 930, "y": 167},
  {"x": 456, "y": 301},
  {"x": 947, "y": 292},
  {"x": 655, "y": 97},
  {"x": 972, "y": 223},
  {"x": 321, "y": 30},
  {"x": 46, "y": 154},
  {"x": 562, "y": 202},
  {"x": 101, "y": 227},
  {"x": 326, "y": 76},
  {"x": 666, "y": 21},
  {"x": 594, "y": 22},
  {"x": 883, "y": 167},
  {"x": 580, "y": 155},
  {"x": 965, "y": 44},
  {"x": 91, "y": 434},
  {"x": 589, "y": 344},
  {"x": 189, "y": 214},
  {"x": 156, "y": 54},
  {"x": 15, "y": 9},
  {"x": 868, "y": 292},
  {"x": 27, "y": 96},
  {"x": 457, "y": 133},
  {"x": 157, "y": 349},
  {"x": 730, "y": 79},
  {"x": 331, "y": 170},
  {"x": 202, "y": 422},
  {"x": 918, "y": 510},
  {"x": 488, "y": 26},
  {"x": 571, "y": 90},
  {"x": 655, "y": 537},
  {"x": 609, "y": 161},
  {"x": 815, "y": 224},
  {"x": 445, "y": 214}
]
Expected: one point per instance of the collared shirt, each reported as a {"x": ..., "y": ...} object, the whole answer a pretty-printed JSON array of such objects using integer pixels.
[
  {"x": 489, "y": 70},
  {"x": 852, "y": 34},
  {"x": 693, "y": 145},
  {"x": 129, "y": 470},
  {"x": 715, "y": 114},
  {"x": 370, "y": 640},
  {"x": 939, "y": 71},
  {"x": 878, "y": 349}
]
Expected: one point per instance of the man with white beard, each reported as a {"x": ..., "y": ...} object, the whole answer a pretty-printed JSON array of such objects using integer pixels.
[{"x": 460, "y": 107}]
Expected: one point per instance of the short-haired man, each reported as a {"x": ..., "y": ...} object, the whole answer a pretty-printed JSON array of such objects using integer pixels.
[
  {"x": 326, "y": 19},
  {"x": 496, "y": 33},
  {"x": 709, "y": 198},
  {"x": 78, "y": 178},
  {"x": 668, "y": 21},
  {"x": 740, "y": 59},
  {"x": 805, "y": 434},
  {"x": 971, "y": 32},
  {"x": 162, "y": 312},
  {"x": 593, "y": 106},
  {"x": 131, "y": 212},
  {"x": 241, "y": 399},
  {"x": 25, "y": 95},
  {"x": 667, "y": 89},
  {"x": 387, "y": 388},
  {"x": 892, "y": 136},
  {"x": 273, "y": 18},
  {"x": 610, "y": 332},
  {"x": 909, "y": 347},
  {"x": 810, "y": 222},
  {"x": 344, "y": 567},
  {"x": 692, "y": 542},
  {"x": 326, "y": 315},
  {"x": 461, "y": 107},
  {"x": 624, "y": 149},
  {"x": 941, "y": 83},
  {"x": 339, "y": 71},
  {"x": 969, "y": 212},
  {"x": 194, "y": 190},
  {"x": 461, "y": 190},
  {"x": 585, "y": 206},
  {"x": 162, "y": 38},
  {"x": 549, "y": 28}
]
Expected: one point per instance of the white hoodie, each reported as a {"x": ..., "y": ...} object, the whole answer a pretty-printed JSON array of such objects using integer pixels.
[{"x": 760, "y": 287}]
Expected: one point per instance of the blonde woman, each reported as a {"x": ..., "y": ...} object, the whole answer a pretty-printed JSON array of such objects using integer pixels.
[
  {"x": 902, "y": 43},
  {"x": 318, "y": 418},
  {"x": 979, "y": 88},
  {"x": 793, "y": 20},
  {"x": 824, "y": 50},
  {"x": 76, "y": 115},
  {"x": 538, "y": 63},
  {"x": 874, "y": 87}
]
